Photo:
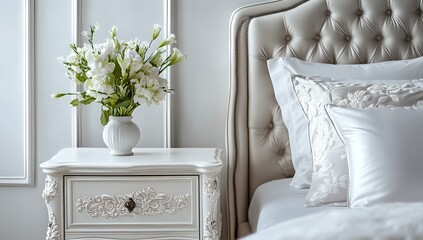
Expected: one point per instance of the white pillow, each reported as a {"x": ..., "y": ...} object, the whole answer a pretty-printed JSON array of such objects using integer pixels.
[
  {"x": 384, "y": 151},
  {"x": 281, "y": 69},
  {"x": 330, "y": 176}
]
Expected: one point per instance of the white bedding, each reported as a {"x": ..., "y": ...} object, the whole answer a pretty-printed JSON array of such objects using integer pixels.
[
  {"x": 388, "y": 221},
  {"x": 275, "y": 202}
]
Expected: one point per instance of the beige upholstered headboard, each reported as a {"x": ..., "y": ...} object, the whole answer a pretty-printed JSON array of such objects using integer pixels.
[{"x": 328, "y": 31}]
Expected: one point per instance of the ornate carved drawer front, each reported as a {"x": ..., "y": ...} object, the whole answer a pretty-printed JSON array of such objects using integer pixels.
[{"x": 131, "y": 204}]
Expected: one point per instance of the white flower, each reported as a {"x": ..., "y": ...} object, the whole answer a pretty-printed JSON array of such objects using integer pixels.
[
  {"x": 99, "y": 64},
  {"x": 149, "y": 69},
  {"x": 89, "y": 34},
  {"x": 108, "y": 49},
  {"x": 132, "y": 44},
  {"x": 76, "y": 69},
  {"x": 152, "y": 90},
  {"x": 157, "y": 59},
  {"x": 114, "y": 72},
  {"x": 124, "y": 64},
  {"x": 73, "y": 58},
  {"x": 143, "y": 46},
  {"x": 98, "y": 87},
  {"x": 168, "y": 41},
  {"x": 85, "y": 34},
  {"x": 135, "y": 69},
  {"x": 156, "y": 31},
  {"x": 132, "y": 54},
  {"x": 113, "y": 31},
  {"x": 176, "y": 56}
]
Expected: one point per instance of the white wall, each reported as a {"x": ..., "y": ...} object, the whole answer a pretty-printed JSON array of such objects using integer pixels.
[{"x": 201, "y": 84}]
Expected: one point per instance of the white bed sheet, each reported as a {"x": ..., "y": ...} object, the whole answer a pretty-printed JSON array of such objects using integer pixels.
[
  {"x": 275, "y": 202},
  {"x": 379, "y": 222}
]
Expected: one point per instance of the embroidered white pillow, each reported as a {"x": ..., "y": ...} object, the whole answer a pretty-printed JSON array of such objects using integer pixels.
[
  {"x": 281, "y": 69},
  {"x": 330, "y": 176},
  {"x": 385, "y": 153}
]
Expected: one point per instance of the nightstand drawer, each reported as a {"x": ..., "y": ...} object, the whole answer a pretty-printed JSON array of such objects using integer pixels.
[{"x": 131, "y": 204}]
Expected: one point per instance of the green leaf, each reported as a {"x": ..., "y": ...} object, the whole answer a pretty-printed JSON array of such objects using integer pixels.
[
  {"x": 124, "y": 104},
  {"x": 75, "y": 102},
  {"x": 59, "y": 95},
  {"x": 115, "y": 96},
  {"x": 110, "y": 101},
  {"x": 104, "y": 118},
  {"x": 73, "y": 47},
  {"x": 87, "y": 101},
  {"x": 80, "y": 78}
]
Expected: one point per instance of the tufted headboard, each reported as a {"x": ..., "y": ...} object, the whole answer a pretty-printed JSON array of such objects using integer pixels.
[{"x": 328, "y": 31}]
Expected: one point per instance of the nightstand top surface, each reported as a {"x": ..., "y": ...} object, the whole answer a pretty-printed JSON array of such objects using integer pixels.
[{"x": 98, "y": 160}]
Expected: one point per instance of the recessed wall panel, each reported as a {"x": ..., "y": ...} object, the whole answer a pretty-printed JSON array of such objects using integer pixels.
[{"x": 13, "y": 94}]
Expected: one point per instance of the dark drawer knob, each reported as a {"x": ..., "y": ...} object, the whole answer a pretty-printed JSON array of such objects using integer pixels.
[{"x": 130, "y": 205}]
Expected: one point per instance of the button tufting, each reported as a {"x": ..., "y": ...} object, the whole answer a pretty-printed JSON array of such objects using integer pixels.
[
  {"x": 317, "y": 37},
  {"x": 288, "y": 38},
  {"x": 388, "y": 12},
  {"x": 408, "y": 38},
  {"x": 281, "y": 151},
  {"x": 347, "y": 38},
  {"x": 359, "y": 12},
  {"x": 379, "y": 38},
  {"x": 419, "y": 11},
  {"x": 270, "y": 126},
  {"x": 328, "y": 13}
]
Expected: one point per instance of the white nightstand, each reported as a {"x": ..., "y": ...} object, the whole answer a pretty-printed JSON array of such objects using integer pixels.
[{"x": 155, "y": 194}]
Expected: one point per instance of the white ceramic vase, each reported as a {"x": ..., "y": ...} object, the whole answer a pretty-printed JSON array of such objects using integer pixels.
[{"x": 121, "y": 135}]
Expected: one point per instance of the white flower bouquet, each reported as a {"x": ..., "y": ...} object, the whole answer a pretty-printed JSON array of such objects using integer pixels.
[{"x": 119, "y": 75}]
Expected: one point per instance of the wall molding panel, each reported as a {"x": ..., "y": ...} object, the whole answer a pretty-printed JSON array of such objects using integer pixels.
[
  {"x": 26, "y": 179},
  {"x": 76, "y": 38},
  {"x": 167, "y": 106}
]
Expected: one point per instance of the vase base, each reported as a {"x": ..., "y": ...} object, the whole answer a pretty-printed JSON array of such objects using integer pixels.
[{"x": 116, "y": 153}]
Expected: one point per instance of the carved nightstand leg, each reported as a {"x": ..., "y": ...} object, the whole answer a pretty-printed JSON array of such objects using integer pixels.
[
  {"x": 52, "y": 196},
  {"x": 211, "y": 228}
]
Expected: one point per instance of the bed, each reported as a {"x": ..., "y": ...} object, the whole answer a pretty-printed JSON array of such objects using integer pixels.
[{"x": 258, "y": 148}]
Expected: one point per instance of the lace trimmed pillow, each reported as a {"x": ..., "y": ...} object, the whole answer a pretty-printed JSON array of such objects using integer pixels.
[{"x": 330, "y": 170}]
